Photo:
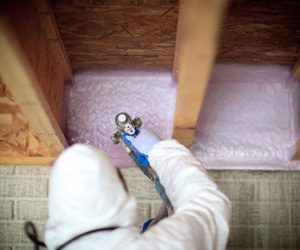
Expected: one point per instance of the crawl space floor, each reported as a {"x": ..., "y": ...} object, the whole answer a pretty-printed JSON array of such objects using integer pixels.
[{"x": 249, "y": 119}]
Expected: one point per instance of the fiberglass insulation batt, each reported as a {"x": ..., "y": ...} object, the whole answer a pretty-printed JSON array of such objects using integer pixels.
[{"x": 249, "y": 118}]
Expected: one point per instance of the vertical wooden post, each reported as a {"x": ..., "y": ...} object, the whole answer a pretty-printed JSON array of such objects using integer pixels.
[
  {"x": 33, "y": 69},
  {"x": 22, "y": 83},
  {"x": 296, "y": 69},
  {"x": 197, "y": 33},
  {"x": 296, "y": 73}
]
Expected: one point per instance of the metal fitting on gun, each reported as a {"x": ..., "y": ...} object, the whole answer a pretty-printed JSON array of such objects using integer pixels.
[{"x": 125, "y": 124}]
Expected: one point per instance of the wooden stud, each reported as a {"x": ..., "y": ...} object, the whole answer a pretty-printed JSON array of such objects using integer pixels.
[
  {"x": 197, "y": 30},
  {"x": 34, "y": 27},
  {"x": 296, "y": 156},
  {"x": 27, "y": 160},
  {"x": 22, "y": 83},
  {"x": 296, "y": 73},
  {"x": 296, "y": 69}
]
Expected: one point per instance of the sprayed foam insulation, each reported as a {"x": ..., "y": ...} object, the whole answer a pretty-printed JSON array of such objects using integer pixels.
[
  {"x": 249, "y": 118},
  {"x": 96, "y": 98},
  {"x": 248, "y": 121},
  {"x": 16, "y": 136}
]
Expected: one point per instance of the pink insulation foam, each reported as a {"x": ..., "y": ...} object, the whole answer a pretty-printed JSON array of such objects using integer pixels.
[
  {"x": 95, "y": 99},
  {"x": 249, "y": 119}
]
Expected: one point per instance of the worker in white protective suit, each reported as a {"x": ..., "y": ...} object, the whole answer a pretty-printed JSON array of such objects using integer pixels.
[{"x": 90, "y": 209}]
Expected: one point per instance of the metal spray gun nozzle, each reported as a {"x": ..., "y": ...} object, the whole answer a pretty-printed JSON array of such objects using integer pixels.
[{"x": 125, "y": 124}]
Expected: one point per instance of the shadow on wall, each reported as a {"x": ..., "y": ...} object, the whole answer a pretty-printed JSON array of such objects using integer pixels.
[{"x": 248, "y": 121}]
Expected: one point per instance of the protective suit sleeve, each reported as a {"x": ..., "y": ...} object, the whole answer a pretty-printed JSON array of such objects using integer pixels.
[{"x": 202, "y": 211}]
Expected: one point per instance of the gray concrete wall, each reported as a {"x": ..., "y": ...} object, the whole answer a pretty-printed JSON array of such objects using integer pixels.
[{"x": 266, "y": 205}]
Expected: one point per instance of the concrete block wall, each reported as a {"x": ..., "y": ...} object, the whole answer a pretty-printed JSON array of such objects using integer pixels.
[{"x": 266, "y": 205}]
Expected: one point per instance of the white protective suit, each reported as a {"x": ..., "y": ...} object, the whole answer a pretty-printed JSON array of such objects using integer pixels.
[{"x": 86, "y": 193}]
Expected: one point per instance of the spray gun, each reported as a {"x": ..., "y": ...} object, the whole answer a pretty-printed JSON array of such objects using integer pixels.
[
  {"x": 125, "y": 125},
  {"x": 131, "y": 127}
]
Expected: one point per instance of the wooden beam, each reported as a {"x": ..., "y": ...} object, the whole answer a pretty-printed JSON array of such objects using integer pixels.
[
  {"x": 34, "y": 68},
  {"x": 296, "y": 156},
  {"x": 197, "y": 32},
  {"x": 34, "y": 28},
  {"x": 19, "y": 77},
  {"x": 26, "y": 160},
  {"x": 296, "y": 73},
  {"x": 296, "y": 69},
  {"x": 17, "y": 138}
]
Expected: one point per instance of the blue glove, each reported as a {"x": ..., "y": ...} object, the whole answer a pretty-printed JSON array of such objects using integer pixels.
[{"x": 141, "y": 144}]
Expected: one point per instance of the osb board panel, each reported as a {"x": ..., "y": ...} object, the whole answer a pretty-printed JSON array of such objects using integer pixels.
[
  {"x": 117, "y": 36},
  {"x": 16, "y": 136},
  {"x": 128, "y": 34},
  {"x": 40, "y": 48}
]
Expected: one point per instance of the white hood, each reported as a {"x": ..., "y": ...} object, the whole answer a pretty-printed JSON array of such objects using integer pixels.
[{"x": 85, "y": 194}]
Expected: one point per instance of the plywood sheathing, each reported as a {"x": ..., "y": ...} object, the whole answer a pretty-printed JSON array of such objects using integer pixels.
[
  {"x": 16, "y": 136},
  {"x": 141, "y": 34}
]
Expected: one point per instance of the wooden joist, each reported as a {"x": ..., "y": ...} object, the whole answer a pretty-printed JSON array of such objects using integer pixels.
[
  {"x": 35, "y": 31},
  {"x": 197, "y": 33},
  {"x": 296, "y": 156},
  {"x": 20, "y": 80},
  {"x": 296, "y": 73},
  {"x": 296, "y": 69},
  {"x": 27, "y": 160},
  {"x": 33, "y": 69}
]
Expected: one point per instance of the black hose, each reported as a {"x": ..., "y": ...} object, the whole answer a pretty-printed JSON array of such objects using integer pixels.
[{"x": 32, "y": 234}]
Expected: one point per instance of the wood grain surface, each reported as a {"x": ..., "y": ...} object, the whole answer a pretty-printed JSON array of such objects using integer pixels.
[
  {"x": 19, "y": 73},
  {"x": 27, "y": 160},
  {"x": 261, "y": 32},
  {"x": 296, "y": 69},
  {"x": 141, "y": 34},
  {"x": 37, "y": 34},
  {"x": 118, "y": 36},
  {"x": 16, "y": 136},
  {"x": 195, "y": 53}
]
